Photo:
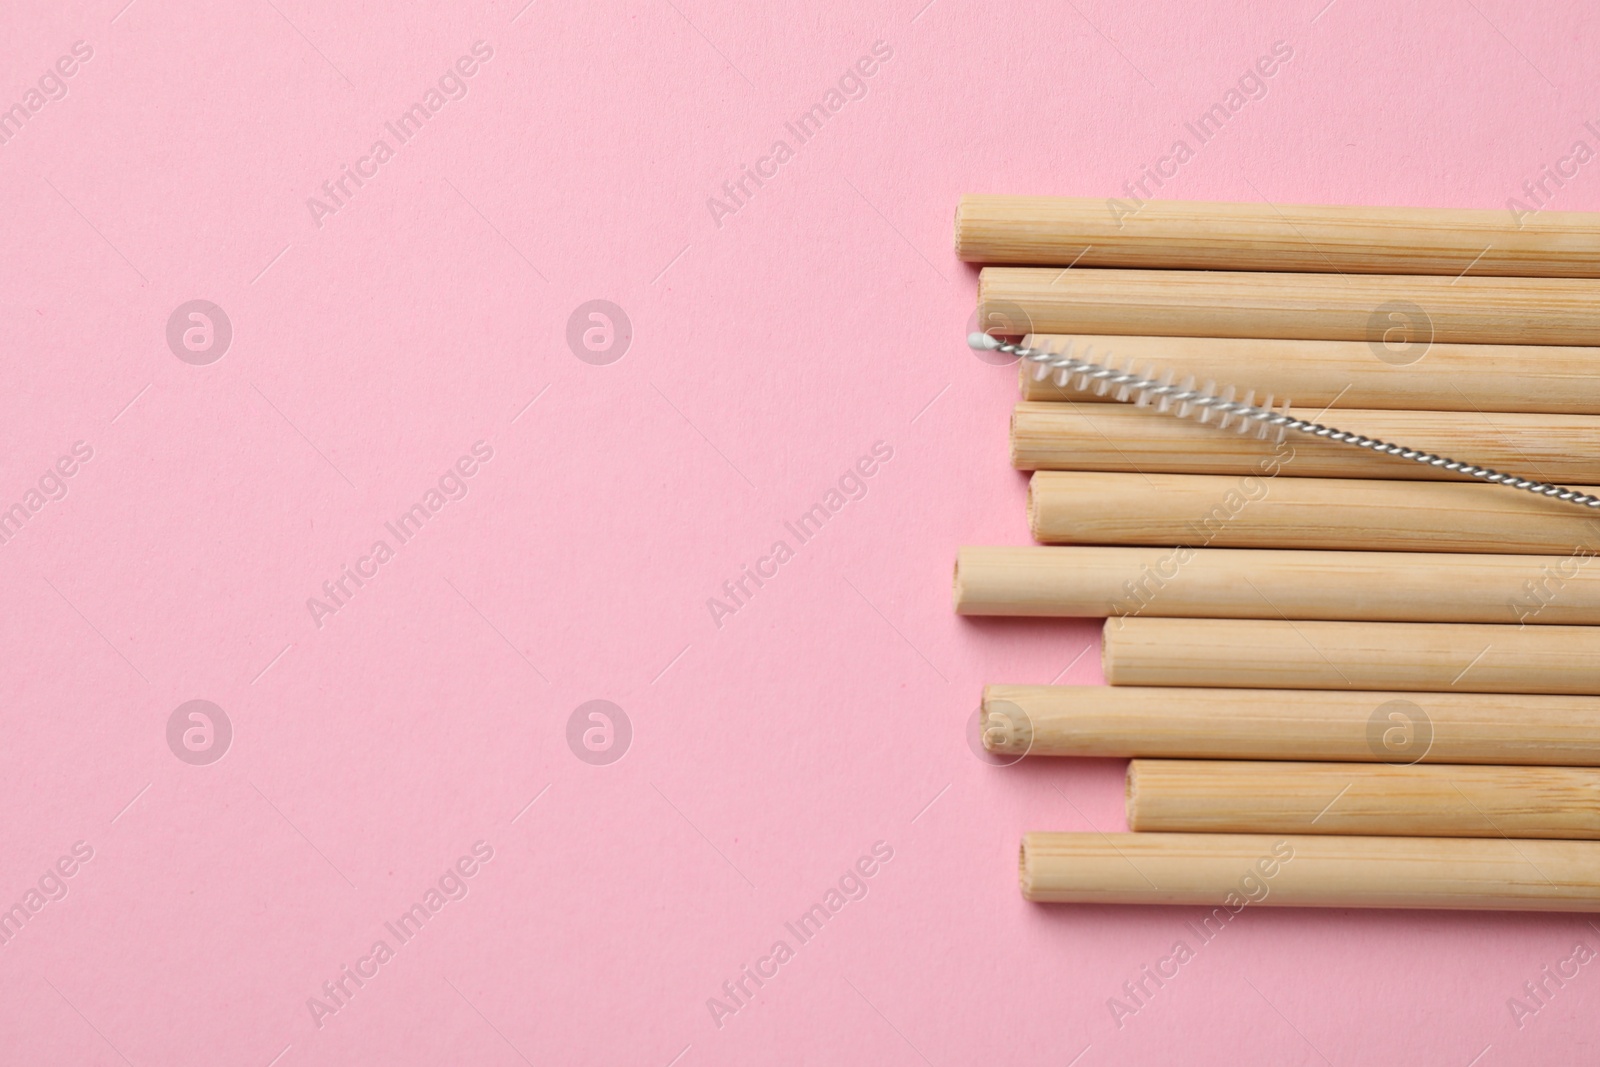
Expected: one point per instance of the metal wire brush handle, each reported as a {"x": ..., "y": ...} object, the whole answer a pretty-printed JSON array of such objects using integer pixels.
[{"x": 1143, "y": 388}]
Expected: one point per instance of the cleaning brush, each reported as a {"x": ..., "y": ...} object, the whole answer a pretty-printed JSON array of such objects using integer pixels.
[{"x": 1144, "y": 387}]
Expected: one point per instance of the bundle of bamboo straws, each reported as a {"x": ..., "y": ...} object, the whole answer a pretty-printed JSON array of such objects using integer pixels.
[{"x": 1359, "y": 681}]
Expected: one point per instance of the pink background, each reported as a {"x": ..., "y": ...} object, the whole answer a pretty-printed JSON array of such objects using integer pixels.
[{"x": 768, "y": 353}]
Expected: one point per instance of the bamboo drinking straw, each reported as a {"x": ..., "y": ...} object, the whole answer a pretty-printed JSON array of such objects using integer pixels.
[
  {"x": 1274, "y": 237},
  {"x": 1116, "y": 437},
  {"x": 1259, "y": 797},
  {"x": 1424, "y": 657},
  {"x": 1230, "y": 871},
  {"x": 1373, "y": 307},
  {"x": 1223, "y": 511},
  {"x": 1082, "y": 582},
  {"x": 1275, "y": 724},
  {"x": 1414, "y": 375}
]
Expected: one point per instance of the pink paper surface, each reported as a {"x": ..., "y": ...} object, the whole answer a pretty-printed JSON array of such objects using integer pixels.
[{"x": 773, "y": 342}]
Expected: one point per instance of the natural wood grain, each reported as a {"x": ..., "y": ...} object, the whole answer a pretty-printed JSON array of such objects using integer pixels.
[
  {"x": 1113, "y": 232},
  {"x": 1223, "y": 511},
  {"x": 1422, "y": 657},
  {"x": 1552, "y": 379},
  {"x": 1231, "y": 871},
  {"x": 1381, "y": 308},
  {"x": 1236, "y": 583},
  {"x": 1265, "y": 797},
  {"x": 1298, "y": 724},
  {"x": 1120, "y": 437}
]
